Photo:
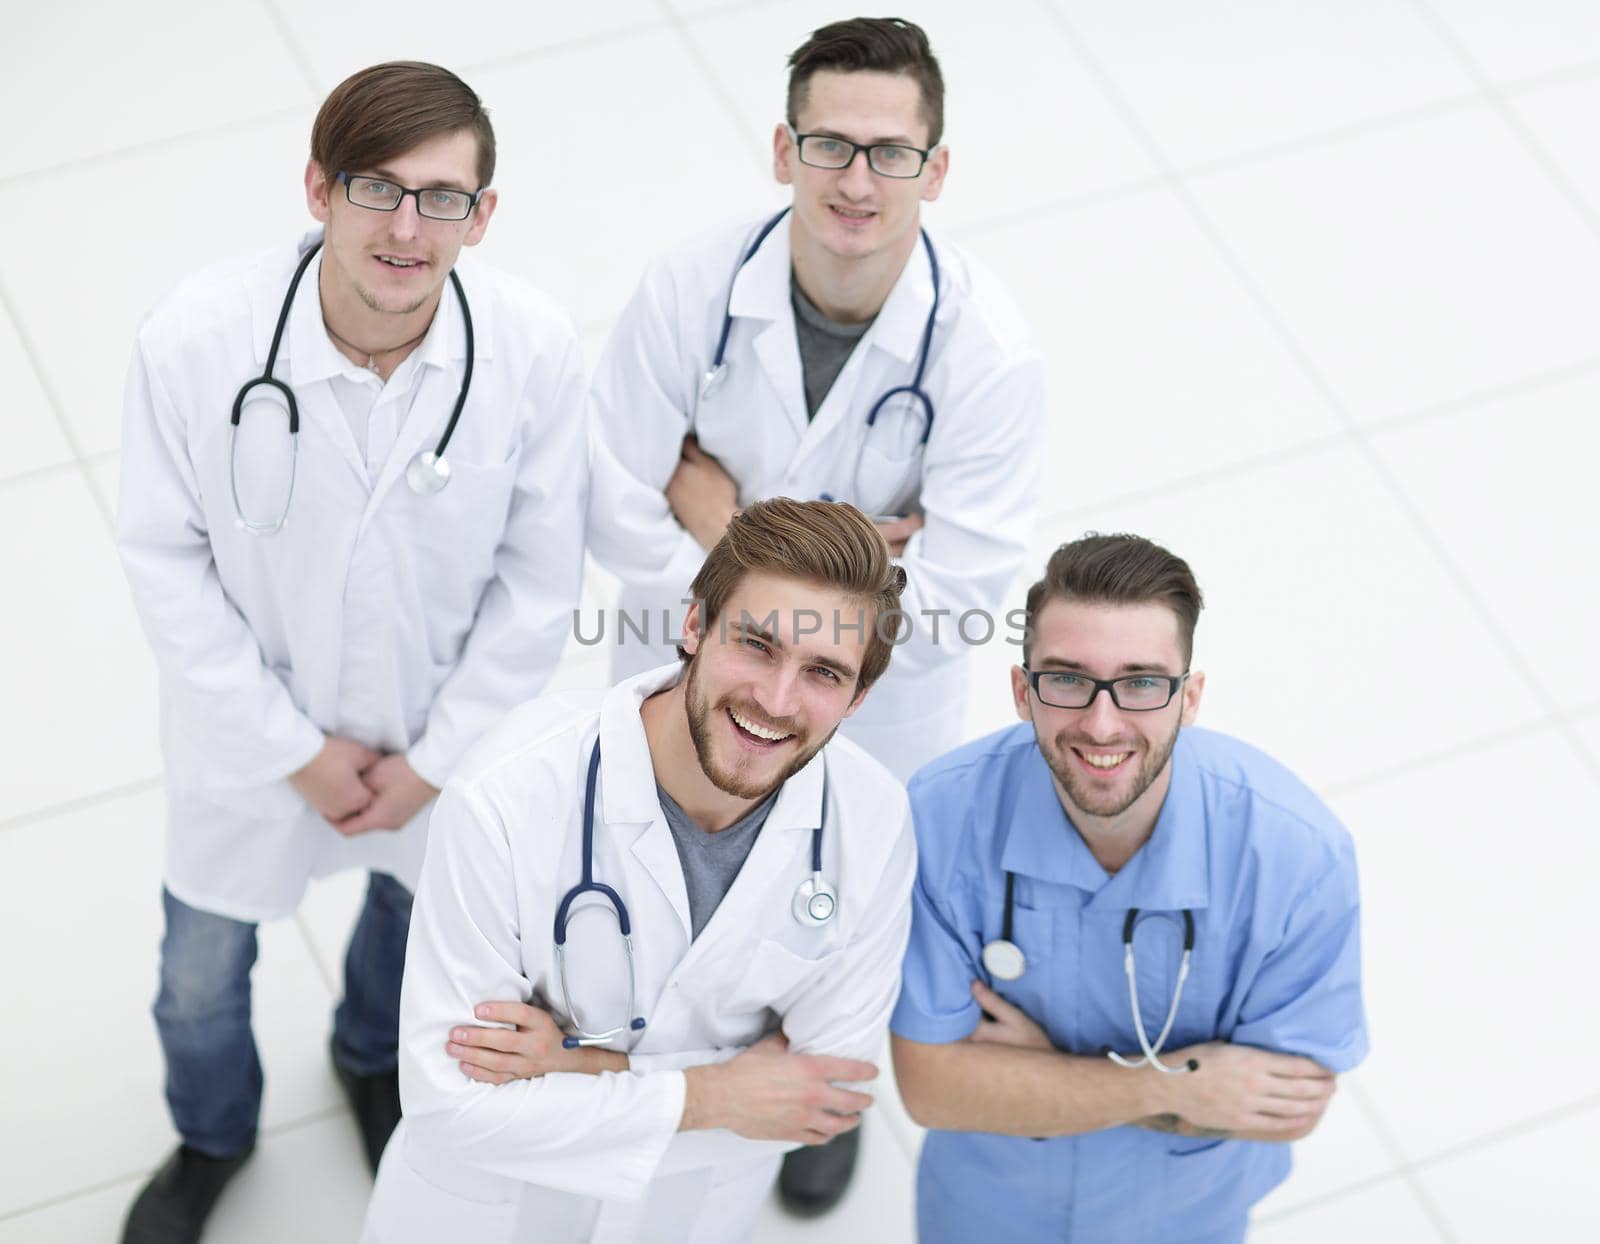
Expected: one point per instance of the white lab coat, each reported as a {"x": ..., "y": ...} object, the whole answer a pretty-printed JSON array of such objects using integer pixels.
[
  {"x": 978, "y": 478},
  {"x": 598, "y": 1158},
  {"x": 408, "y": 623}
]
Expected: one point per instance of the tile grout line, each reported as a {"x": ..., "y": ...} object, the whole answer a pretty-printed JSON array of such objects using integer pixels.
[
  {"x": 80, "y": 804},
  {"x": 104, "y": 1185},
  {"x": 147, "y": 147},
  {"x": 297, "y": 54},
  {"x": 1404, "y": 1168},
  {"x": 577, "y": 43},
  {"x": 1509, "y": 1132},
  {"x": 1310, "y": 446},
  {"x": 9, "y": 306},
  {"x": 713, "y": 81},
  {"x": 1300, "y": 355},
  {"x": 1525, "y": 138}
]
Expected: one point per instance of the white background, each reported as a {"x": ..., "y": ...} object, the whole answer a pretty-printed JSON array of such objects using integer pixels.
[{"x": 1319, "y": 286}]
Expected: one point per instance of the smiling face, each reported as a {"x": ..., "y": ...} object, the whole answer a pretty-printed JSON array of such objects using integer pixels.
[
  {"x": 852, "y": 212},
  {"x": 766, "y": 689},
  {"x": 395, "y": 263},
  {"x": 1106, "y": 761}
]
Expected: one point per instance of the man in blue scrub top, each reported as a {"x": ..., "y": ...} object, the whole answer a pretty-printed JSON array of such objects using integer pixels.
[{"x": 1110, "y": 802}]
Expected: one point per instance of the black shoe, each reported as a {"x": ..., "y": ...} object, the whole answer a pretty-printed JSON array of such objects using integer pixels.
[
  {"x": 376, "y": 1102},
  {"x": 174, "y": 1205},
  {"x": 814, "y": 1179}
]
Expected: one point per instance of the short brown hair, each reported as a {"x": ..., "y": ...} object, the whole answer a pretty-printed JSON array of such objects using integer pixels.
[
  {"x": 823, "y": 542},
  {"x": 1118, "y": 570},
  {"x": 882, "y": 44},
  {"x": 386, "y": 110}
]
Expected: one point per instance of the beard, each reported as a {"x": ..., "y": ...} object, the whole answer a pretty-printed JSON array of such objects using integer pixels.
[
  {"x": 736, "y": 780},
  {"x": 1100, "y": 802},
  {"x": 374, "y": 303}
]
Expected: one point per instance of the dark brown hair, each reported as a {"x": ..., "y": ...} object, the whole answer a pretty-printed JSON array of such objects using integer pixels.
[
  {"x": 827, "y": 543},
  {"x": 1118, "y": 570},
  {"x": 882, "y": 44},
  {"x": 386, "y": 110}
]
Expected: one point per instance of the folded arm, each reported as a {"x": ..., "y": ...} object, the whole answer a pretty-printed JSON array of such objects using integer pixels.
[{"x": 1007, "y": 1078}]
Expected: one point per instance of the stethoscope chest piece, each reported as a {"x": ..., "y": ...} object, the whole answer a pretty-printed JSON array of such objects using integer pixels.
[
  {"x": 427, "y": 473},
  {"x": 814, "y": 902},
  {"x": 1003, "y": 959}
]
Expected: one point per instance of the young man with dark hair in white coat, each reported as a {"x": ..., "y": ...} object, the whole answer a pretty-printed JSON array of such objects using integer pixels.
[
  {"x": 354, "y": 480},
  {"x": 835, "y": 350}
]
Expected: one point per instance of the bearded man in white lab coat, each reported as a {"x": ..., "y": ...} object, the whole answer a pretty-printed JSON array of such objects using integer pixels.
[
  {"x": 332, "y": 628},
  {"x": 705, "y": 794},
  {"x": 834, "y": 351}
]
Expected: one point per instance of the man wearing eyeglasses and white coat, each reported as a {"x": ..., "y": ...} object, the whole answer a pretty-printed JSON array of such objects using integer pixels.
[
  {"x": 836, "y": 350},
  {"x": 763, "y": 869},
  {"x": 332, "y": 630},
  {"x": 824, "y": 319}
]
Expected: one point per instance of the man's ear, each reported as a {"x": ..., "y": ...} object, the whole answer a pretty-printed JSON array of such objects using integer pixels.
[
  {"x": 693, "y": 632},
  {"x": 934, "y": 175},
  {"x": 782, "y": 149},
  {"x": 317, "y": 192},
  {"x": 1192, "y": 691},
  {"x": 481, "y": 212},
  {"x": 1019, "y": 694}
]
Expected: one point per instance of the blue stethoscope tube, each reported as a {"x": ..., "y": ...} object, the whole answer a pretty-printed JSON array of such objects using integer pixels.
[
  {"x": 1004, "y": 960},
  {"x": 426, "y": 473},
  {"x": 815, "y": 903},
  {"x": 712, "y": 380},
  {"x": 590, "y": 886}
]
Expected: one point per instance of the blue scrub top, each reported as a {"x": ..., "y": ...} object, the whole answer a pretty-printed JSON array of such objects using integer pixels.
[{"x": 1270, "y": 876}]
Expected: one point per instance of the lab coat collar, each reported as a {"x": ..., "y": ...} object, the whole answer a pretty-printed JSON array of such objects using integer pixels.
[
  {"x": 1169, "y": 873},
  {"x": 307, "y": 353},
  {"x": 627, "y": 782},
  {"x": 762, "y": 291}
]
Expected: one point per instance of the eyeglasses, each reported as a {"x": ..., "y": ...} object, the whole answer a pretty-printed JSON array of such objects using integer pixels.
[
  {"x": 1138, "y": 693},
  {"x": 884, "y": 159},
  {"x": 378, "y": 195}
]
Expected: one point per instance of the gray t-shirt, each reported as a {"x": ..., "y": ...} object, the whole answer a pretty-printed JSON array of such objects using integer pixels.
[
  {"x": 825, "y": 346},
  {"x": 711, "y": 861}
]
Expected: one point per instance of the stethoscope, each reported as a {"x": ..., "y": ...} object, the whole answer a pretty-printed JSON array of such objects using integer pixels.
[
  {"x": 427, "y": 472},
  {"x": 713, "y": 379},
  {"x": 813, "y": 905},
  {"x": 1003, "y": 959}
]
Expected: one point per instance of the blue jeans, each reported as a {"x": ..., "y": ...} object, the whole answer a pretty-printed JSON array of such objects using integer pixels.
[{"x": 203, "y": 1012}]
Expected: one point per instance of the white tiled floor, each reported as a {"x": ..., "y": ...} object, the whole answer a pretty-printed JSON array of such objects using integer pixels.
[{"x": 1319, "y": 295}]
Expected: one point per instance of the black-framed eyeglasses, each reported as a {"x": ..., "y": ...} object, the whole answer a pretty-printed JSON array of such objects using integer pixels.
[
  {"x": 1136, "y": 693},
  {"x": 884, "y": 159},
  {"x": 436, "y": 203}
]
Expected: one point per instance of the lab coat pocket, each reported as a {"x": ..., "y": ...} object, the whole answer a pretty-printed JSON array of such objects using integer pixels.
[
  {"x": 454, "y": 536},
  {"x": 887, "y": 483},
  {"x": 1199, "y": 1176},
  {"x": 775, "y": 977}
]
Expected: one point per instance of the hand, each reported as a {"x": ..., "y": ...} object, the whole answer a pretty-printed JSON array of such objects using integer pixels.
[
  {"x": 532, "y": 1048},
  {"x": 899, "y": 530},
  {"x": 398, "y": 795},
  {"x": 767, "y": 1093},
  {"x": 1239, "y": 1088},
  {"x": 331, "y": 783},
  {"x": 702, "y": 495},
  {"x": 1010, "y": 1025}
]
